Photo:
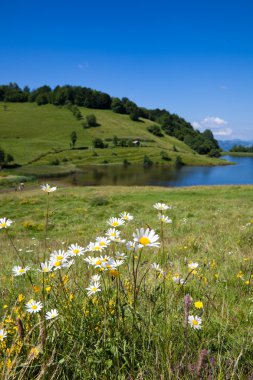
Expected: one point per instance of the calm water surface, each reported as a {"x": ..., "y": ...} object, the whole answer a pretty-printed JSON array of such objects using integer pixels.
[{"x": 133, "y": 175}]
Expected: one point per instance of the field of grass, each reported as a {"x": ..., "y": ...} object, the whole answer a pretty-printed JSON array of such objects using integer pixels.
[
  {"x": 39, "y": 138},
  {"x": 137, "y": 326}
]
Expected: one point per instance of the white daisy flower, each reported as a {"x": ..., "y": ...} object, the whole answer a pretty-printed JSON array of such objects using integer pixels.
[
  {"x": 93, "y": 288},
  {"x": 146, "y": 238},
  {"x": 131, "y": 245},
  {"x": 45, "y": 267},
  {"x": 158, "y": 269},
  {"x": 95, "y": 247},
  {"x": 51, "y": 314},
  {"x": 178, "y": 280},
  {"x": 3, "y": 334},
  {"x": 19, "y": 271},
  {"x": 115, "y": 222},
  {"x": 58, "y": 258},
  {"x": 95, "y": 278},
  {"x": 113, "y": 234},
  {"x": 47, "y": 188},
  {"x": 193, "y": 265},
  {"x": 195, "y": 322},
  {"x": 120, "y": 256},
  {"x": 103, "y": 241},
  {"x": 164, "y": 219},
  {"x": 75, "y": 250},
  {"x": 91, "y": 260},
  {"x": 161, "y": 206},
  {"x": 33, "y": 306},
  {"x": 68, "y": 264},
  {"x": 126, "y": 216},
  {"x": 5, "y": 223},
  {"x": 116, "y": 263}
]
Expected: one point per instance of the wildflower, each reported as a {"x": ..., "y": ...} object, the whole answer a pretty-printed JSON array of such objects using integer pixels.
[
  {"x": 158, "y": 269},
  {"x": 36, "y": 288},
  {"x": 115, "y": 222},
  {"x": 161, "y": 206},
  {"x": 91, "y": 260},
  {"x": 95, "y": 247},
  {"x": 21, "y": 297},
  {"x": 75, "y": 250},
  {"x": 46, "y": 267},
  {"x": 120, "y": 256},
  {"x": 114, "y": 272},
  {"x": 178, "y": 280},
  {"x": 34, "y": 352},
  {"x": 126, "y": 216},
  {"x": 47, "y": 188},
  {"x": 164, "y": 219},
  {"x": 103, "y": 241},
  {"x": 112, "y": 234},
  {"x": 33, "y": 306},
  {"x": 131, "y": 245},
  {"x": 48, "y": 289},
  {"x": 19, "y": 271},
  {"x": 146, "y": 238},
  {"x": 51, "y": 314},
  {"x": 5, "y": 223},
  {"x": 3, "y": 334},
  {"x": 195, "y": 322},
  {"x": 193, "y": 265},
  {"x": 95, "y": 278},
  {"x": 58, "y": 259},
  {"x": 198, "y": 305},
  {"x": 93, "y": 288}
]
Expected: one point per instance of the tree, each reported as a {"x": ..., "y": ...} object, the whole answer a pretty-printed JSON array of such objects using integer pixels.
[
  {"x": 73, "y": 138},
  {"x": 2, "y": 156},
  {"x": 117, "y": 106},
  {"x": 91, "y": 120},
  {"x": 98, "y": 143}
]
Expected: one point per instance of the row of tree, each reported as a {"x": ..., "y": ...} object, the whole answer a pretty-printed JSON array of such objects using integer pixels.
[
  {"x": 241, "y": 148},
  {"x": 74, "y": 96}
]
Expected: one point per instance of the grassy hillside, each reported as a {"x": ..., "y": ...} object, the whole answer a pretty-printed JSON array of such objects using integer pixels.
[
  {"x": 135, "y": 327},
  {"x": 33, "y": 133}
]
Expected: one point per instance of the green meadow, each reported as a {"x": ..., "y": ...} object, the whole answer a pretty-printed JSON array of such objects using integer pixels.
[
  {"x": 137, "y": 325},
  {"x": 38, "y": 137}
]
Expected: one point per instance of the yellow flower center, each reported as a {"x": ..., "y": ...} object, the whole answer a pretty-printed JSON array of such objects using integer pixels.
[
  {"x": 144, "y": 240},
  {"x": 75, "y": 251},
  {"x": 94, "y": 288},
  {"x": 59, "y": 257},
  {"x": 113, "y": 234},
  {"x": 195, "y": 322},
  {"x": 21, "y": 270},
  {"x": 97, "y": 248},
  {"x": 3, "y": 224},
  {"x": 102, "y": 243},
  {"x": 57, "y": 263},
  {"x": 1, "y": 337},
  {"x": 34, "y": 307},
  {"x": 115, "y": 224},
  {"x": 98, "y": 262}
]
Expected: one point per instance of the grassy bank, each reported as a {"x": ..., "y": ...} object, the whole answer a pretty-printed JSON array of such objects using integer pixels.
[
  {"x": 136, "y": 326},
  {"x": 39, "y": 138}
]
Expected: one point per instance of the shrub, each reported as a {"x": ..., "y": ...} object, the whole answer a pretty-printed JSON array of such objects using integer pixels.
[
  {"x": 164, "y": 156},
  {"x": 98, "y": 143},
  {"x": 179, "y": 161},
  {"x": 147, "y": 162},
  {"x": 155, "y": 130}
]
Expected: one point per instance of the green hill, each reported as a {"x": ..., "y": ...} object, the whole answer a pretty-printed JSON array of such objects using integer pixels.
[{"x": 38, "y": 137}]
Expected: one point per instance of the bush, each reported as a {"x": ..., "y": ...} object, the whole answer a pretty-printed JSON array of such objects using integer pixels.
[
  {"x": 98, "y": 143},
  {"x": 155, "y": 130},
  {"x": 179, "y": 161},
  {"x": 91, "y": 121},
  {"x": 164, "y": 156},
  {"x": 147, "y": 162}
]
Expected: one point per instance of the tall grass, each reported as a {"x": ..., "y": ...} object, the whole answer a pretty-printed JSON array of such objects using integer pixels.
[{"x": 137, "y": 325}]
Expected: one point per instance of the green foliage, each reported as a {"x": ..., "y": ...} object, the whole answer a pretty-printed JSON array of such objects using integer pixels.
[
  {"x": 98, "y": 143},
  {"x": 165, "y": 156},
  {"x": 155, "y": 130},
  {"x": 242, "y": 148},
  {"x": 73, "y": 138},
  {"x": 179, "y": 161},
  {"x": 147, "y": 162},
  {"x": 91, "y": 121}
]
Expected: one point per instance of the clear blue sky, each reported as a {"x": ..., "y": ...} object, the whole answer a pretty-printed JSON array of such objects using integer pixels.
[{"x": 192, "y": 57}]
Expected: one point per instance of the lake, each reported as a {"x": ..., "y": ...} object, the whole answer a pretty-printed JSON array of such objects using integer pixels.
[{"x": 134, "y": 175}]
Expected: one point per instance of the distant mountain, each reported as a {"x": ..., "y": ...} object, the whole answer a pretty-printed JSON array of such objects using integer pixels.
[{"x": 228, "y": 144}]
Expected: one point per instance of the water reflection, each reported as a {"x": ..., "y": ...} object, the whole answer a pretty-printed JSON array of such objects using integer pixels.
[{"x": 134, "y": 175}]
